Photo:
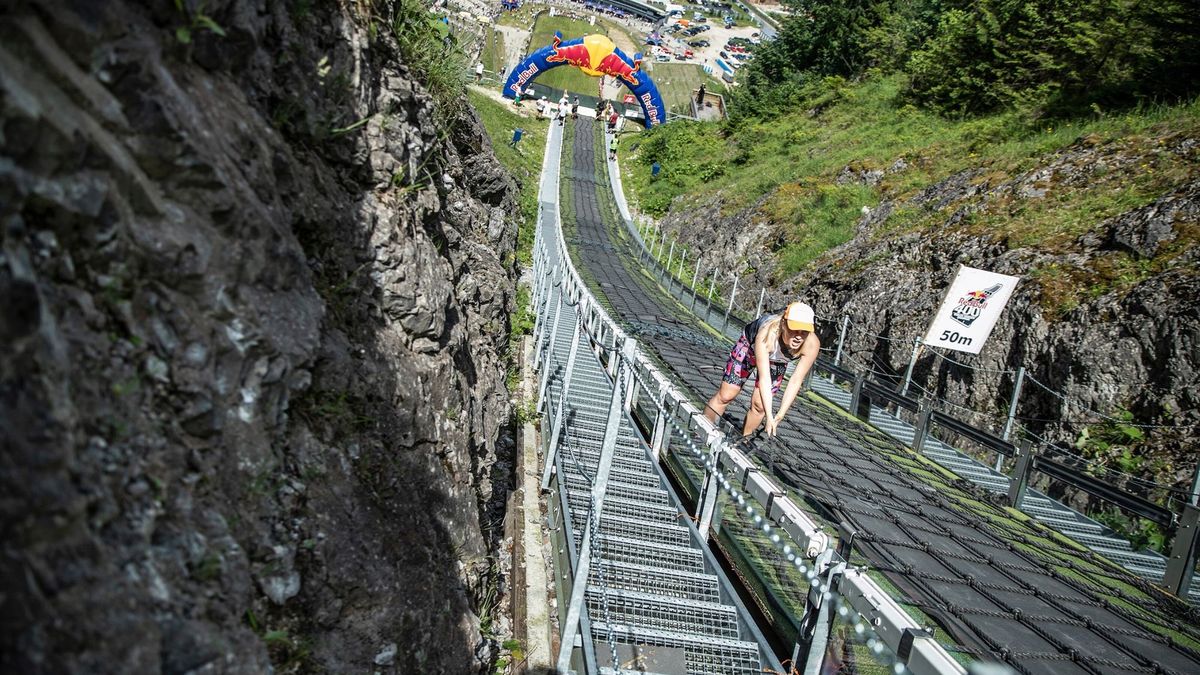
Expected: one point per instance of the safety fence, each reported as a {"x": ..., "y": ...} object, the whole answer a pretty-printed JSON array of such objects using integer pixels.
[
  {"x": 847, "y": 614},
  {"x": 985, "y": 436}
]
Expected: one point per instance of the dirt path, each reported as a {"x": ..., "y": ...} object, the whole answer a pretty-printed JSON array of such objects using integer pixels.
[{"x": 514, "y": 44}]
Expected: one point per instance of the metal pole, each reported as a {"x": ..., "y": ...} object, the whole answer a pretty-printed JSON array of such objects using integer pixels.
[
  {"x": 1012, "y": 404},
  {"x": 681, "y": 258},
  {"x": 1195, "y": 499},
  {"x": 670, "y": 257},
  {"x": 708, "y": 501},
  {"x": 837, "y": 358},
  {"x": 912, "y": 361},
  {"x": 762, "y": 295},
  {"x": 1182, "y": 563},
  {"x": 695, "y": 276},
  {"x": 579, "y": 585},
  {"x": 1020, "y": 475}
]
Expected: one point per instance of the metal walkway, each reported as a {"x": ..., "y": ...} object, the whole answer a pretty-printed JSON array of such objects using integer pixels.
[{"x": 999, "y": 587}]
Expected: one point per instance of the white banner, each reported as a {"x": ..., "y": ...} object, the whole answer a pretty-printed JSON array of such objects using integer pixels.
[{"x": 970, "y": 309}]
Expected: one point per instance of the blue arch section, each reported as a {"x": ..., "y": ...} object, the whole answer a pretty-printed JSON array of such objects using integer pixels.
[{"x": 615, "y": 64}]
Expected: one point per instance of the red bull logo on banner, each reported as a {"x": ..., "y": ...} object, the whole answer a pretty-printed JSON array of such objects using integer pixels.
[
  {"x": 597, "y": 56},
  {"x": 971, "y": 305}
]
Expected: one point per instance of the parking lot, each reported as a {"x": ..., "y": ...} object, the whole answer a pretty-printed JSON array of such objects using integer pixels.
[{"x": 675, "y": 46}]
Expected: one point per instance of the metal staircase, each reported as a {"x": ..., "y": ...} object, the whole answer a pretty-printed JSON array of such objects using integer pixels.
[{"x": 655, "y": 599}]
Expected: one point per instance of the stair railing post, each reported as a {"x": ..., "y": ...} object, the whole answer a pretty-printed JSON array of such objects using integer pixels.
[
  {"x": 856, "y": 396},
  {"x": 837, "y": 357},
  {"x": 1182, "y": 563},
  {"x": 708, "y": 494},
  {"x": 1012, "y": 404},
  {"x": 921, "y": 433},
  {"x": 579, "y": 585},
  {"x": 670, "y": 258},
  {"x": 1020, "y": 476},
  {"x": 762, "y": 295},
  {"x": 912, "y": 361},
  {"x": 729, "y": 309},
  {"x": 662, "y": 429}
]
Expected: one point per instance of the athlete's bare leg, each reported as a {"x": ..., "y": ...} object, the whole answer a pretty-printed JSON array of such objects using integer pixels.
[
  {"x": 721, "y": 400},
  {"x": 754, "y": 416}
]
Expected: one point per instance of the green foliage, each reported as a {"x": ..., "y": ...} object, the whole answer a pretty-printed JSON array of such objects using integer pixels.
[
  {"x": 689, "y": 153},
  {"x": 196, "y": 20},
  {"x": 523, "y": 162},
  {"x": 436, "y": 58},
  {"x": 1058, "y": 57},
  {"x": 817, "y": 219},
  {"x": 1118, "y": 445}
]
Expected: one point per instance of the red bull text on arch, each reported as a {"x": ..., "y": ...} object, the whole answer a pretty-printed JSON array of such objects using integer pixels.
[{"x": 595, "y": 55}]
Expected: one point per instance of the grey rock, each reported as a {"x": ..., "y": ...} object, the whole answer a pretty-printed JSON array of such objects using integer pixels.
[
  {"x": 387, "y": 655},
  {"x": 206, "y": 298},
  {"x": 281, "y": 588}
]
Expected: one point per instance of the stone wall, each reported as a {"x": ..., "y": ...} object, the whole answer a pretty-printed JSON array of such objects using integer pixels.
[{"x": 255, "y": 313}]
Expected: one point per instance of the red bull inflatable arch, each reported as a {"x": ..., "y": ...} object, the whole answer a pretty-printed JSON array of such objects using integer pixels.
[{"x": 595, "y": 55}]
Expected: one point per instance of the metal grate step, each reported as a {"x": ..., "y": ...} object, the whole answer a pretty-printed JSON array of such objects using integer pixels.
[
  {"x": 625, "y": 508},
  {"x": 673, "y": 583},
  {"x": 704, "y": 654},
  {"x": 646, "y": 610}
]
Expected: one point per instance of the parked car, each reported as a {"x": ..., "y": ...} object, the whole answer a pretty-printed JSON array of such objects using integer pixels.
[
  {"x": 653, "y": 41},
  {"x": 680, "y": 57},
  {"x": 698, "y": 44},
  {"x": 662, "y": 58}
]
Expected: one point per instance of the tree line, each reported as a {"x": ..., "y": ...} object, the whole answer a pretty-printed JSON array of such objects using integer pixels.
[{"x": 1049, "y": 58}]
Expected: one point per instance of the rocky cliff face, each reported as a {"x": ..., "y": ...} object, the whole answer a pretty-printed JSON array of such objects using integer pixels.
[
  {"x": 255, "y": 309},
  {"x": 1107, "y": 317}
]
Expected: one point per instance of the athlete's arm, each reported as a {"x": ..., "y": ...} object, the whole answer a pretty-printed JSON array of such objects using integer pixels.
[
  {"x": 808, "y": 356},
  {"x": 762, "y": 356}
]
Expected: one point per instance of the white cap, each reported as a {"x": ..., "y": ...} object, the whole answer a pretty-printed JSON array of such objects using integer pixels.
[{"x": 799, "y": 316}]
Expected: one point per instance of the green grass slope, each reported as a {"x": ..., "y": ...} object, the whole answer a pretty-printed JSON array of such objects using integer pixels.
[{"x": 792, "y": 163}]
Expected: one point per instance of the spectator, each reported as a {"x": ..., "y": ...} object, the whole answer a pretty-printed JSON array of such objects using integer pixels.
[
  {"x": 479, "y": 71},
  {"x": 517, "y": 97},
  {"x": 612, "y": 120},
  {"x": 612, "y": 148},
  {"x": 575, "y": 108},
  {"x": 516, "y": 137},
  {"x": 503, "y": 69},
  {"x": 541, "y": 106},
  {"x": 655, "y": 168}
]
